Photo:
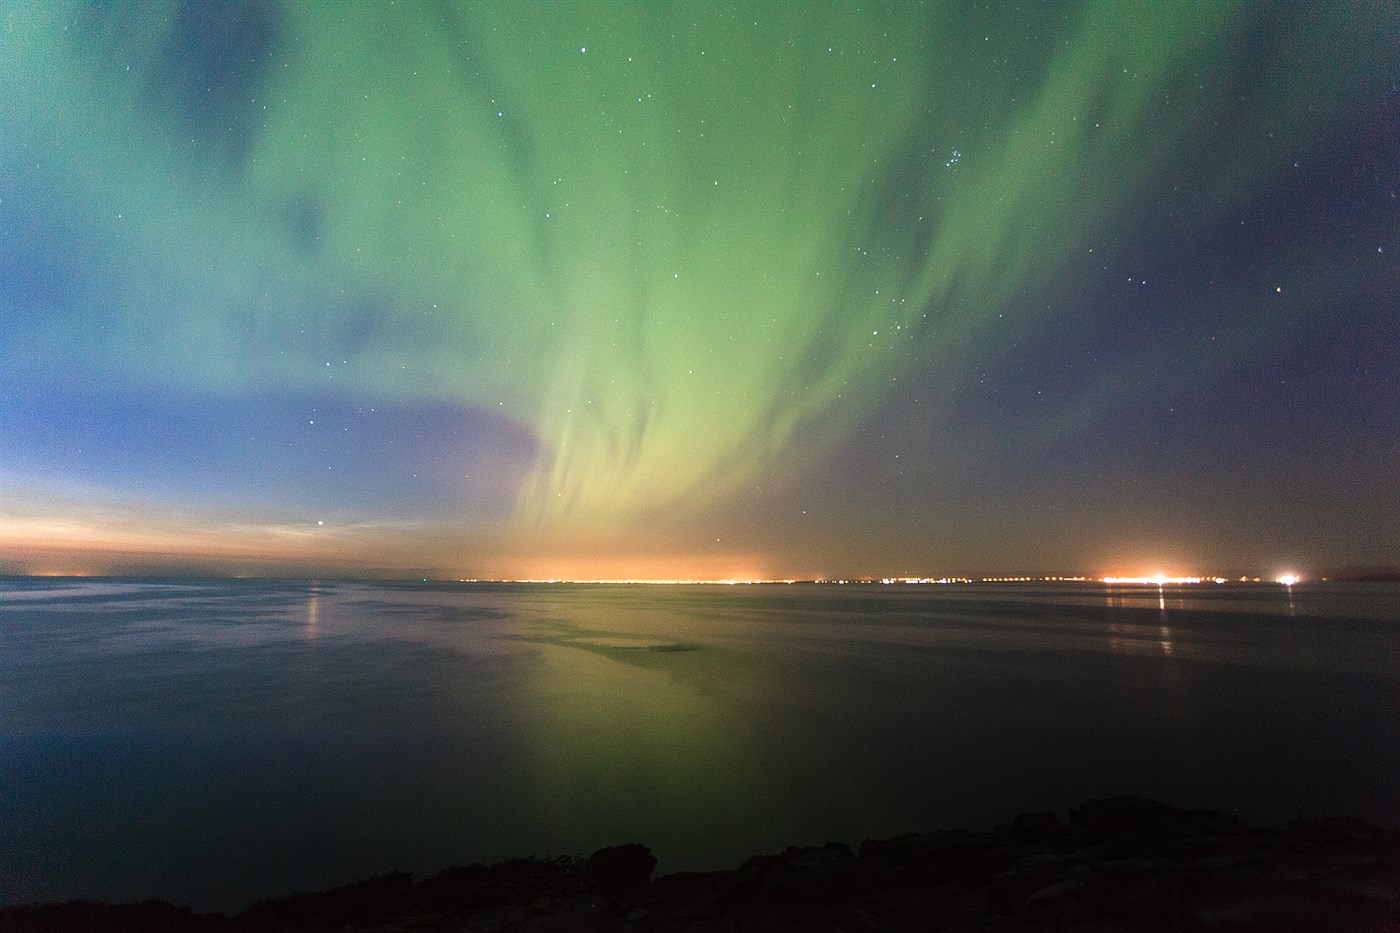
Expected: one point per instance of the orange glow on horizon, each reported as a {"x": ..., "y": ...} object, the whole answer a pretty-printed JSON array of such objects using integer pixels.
[
  {"x": 97, "y": 542},
  {"x": 1161, "y": 579}
]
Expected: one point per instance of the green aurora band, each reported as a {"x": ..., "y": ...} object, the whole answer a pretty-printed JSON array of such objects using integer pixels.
[{"x": 686, "y": 245}]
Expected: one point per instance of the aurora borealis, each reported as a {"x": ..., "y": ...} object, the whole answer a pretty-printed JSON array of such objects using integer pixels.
[{"x": 618, "y": 290}]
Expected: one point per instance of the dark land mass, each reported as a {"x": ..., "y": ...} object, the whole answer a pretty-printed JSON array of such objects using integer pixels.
[{"x": 1119, "y": 864}]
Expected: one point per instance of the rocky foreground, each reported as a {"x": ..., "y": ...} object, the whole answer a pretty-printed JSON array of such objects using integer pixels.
[{"x": 1119, "y": 864}]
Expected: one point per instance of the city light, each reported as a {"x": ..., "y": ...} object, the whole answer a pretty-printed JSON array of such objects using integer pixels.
[{"x": 1162, "y": 580}]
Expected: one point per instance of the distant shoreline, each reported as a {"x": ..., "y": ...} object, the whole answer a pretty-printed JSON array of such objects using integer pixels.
[{"x": 1345, "y": 575}]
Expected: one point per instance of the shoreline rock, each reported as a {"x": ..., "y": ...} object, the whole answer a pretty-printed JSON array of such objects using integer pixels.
[{"x": 1119, "y": 864}]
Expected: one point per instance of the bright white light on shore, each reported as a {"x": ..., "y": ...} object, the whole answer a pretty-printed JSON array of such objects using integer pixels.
[{"x": 1288, "y": 579}]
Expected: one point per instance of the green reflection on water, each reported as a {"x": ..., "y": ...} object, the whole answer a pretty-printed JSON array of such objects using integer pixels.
[{"x": 627, "y": 728}]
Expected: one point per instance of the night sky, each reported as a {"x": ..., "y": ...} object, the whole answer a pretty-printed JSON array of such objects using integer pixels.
[{"x": 699, "y": 290}]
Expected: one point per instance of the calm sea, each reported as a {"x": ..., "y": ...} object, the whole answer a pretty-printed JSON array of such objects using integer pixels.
[{"x": 214, "y": 742}]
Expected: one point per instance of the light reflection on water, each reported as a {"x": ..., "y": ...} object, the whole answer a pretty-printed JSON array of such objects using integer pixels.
[
  {"x": 313, "y": 609},
  {"x": 217, "y": 741}
]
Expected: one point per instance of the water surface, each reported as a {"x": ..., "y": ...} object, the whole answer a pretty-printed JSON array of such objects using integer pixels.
[{"x": 214, "y": 742}]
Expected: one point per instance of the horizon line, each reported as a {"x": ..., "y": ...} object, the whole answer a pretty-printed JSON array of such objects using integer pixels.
[{"x": 1287, "y": 579}]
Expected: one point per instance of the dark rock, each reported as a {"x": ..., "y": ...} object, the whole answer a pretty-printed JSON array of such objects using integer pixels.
[
  {"x": 352, "y": 905},
  {"x": 1001, "y": 923},
  {"x": 810, "y": 872},
  {"x": 1055, "y": 903},
  {"x": 1121, "y": 864},
  {"x": 941, "y": 852},
  {"x": 90, "y": 917},
  {"x": 513, "y": 881},
  {"x": 1033, "y": 826},
  {"x": 1132, "y": 818},
  {"x": 617, "y": 869}
]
